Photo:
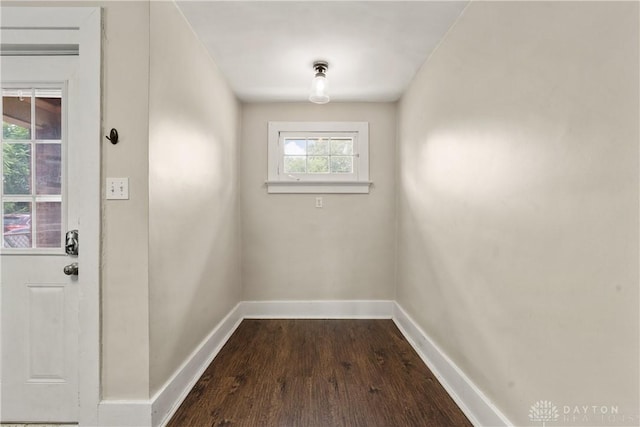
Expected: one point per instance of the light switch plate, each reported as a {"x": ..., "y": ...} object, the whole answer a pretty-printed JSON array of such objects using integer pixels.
[{"x": 117, "y": 188}]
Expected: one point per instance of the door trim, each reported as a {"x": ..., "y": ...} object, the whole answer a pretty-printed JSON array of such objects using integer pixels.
[{"x": 87, "y": 25}]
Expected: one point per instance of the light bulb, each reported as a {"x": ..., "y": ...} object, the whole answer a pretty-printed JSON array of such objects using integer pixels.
[
  {"x": 319, "y": 93},
  {"x": 320, "y": 85}
]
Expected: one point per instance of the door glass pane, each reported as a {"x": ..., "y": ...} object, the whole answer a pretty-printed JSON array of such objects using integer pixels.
[
  {"x": 16, "y": 115},
  {"x": 16, "y": 164},
  {"x": 48, "y": 168},
  {"x": 17, "y": 224},
  {"x": 49, "y": 116},
  {"x": 48, "y": 224},
  {"x": 32, "y": 160}
]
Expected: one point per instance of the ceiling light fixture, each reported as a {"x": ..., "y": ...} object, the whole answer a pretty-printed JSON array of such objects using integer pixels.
[{"x": 319, "y": 87}]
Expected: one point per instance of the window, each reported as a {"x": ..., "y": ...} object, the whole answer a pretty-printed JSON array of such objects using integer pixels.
[
  {"x": 318, "y": 157},
  {"x": 31, "y": 191}
]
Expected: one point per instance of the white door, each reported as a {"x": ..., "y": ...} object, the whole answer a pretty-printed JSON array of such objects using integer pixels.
[
  {"x": 49, "y": 322},
  {"x": 39, "y": 301}
]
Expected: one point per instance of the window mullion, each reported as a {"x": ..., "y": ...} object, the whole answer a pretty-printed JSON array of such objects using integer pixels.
[
  {"x": 34, "y": 221},
  {"x": 306, "y": 155}
]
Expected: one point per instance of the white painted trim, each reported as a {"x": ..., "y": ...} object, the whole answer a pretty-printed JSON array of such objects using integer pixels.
[
  {"x": 89, "y": 310},
  {"x": 374, "y": 309},
  {"x": 46, "y": 17},
  {"x": 325, "y": 187},
  {"x": 69, "y": 37},
  {"x": 475, "y": 405},
  {"x": 124, "y": 413},
  {"x": 167, "y": 400}
]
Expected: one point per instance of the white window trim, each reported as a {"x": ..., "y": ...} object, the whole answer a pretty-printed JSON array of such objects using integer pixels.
[{"x": 280, "y": 183}]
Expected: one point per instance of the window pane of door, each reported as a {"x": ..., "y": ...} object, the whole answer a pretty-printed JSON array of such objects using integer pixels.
[
  {"x": 16, "y": 168},
  {"x": 16, "y": 115},
  {"x": 49, "y": 118},
  {"x": 48, "y": 168},
  {"x": 17, "y": 224},
  {"x": 48, "y": 224}
]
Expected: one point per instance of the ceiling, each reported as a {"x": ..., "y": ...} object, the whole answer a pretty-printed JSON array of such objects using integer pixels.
[{"x": 374, "y": 48}]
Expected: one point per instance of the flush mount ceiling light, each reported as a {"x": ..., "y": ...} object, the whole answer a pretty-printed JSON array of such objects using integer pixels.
[{"x": 319, "y": 87}]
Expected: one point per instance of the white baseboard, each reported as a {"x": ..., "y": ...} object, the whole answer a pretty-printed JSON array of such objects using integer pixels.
[
  {"x": 124, "y": 413},
  {"x": 475, "y": 405},
  {"x": 374, "y": 309},
  {"x": 159, "y": 410},
  {"x": 167, "y": 400}
]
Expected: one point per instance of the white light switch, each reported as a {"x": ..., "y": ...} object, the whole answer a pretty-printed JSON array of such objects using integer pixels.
[
  {"x": 318, "y": 202},
  {"x": 117, "y": 188}
]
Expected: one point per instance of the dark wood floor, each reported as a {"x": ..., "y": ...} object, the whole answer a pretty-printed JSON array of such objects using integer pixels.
[{"x": 319, "y": 373}]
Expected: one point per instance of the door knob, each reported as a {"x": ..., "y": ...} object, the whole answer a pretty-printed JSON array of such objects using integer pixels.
[{"x": 71, "y": 269}]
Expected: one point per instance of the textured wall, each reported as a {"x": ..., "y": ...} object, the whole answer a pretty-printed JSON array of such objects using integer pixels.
[
  {"x": 291, "y": 250},
  {"x": 518, "y": 204},
  {"x": 194, "y": 240},
  {"x": 125, "y": 294}
]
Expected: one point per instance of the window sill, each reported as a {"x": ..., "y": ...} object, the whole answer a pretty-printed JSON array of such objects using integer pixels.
[{"x": 300, "y": 187}]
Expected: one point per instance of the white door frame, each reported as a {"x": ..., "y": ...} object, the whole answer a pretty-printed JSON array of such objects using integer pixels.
[{"x": 81, "y": 26}]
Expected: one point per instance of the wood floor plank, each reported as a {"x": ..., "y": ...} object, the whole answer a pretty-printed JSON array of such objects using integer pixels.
[{"x": 317, "y": 373}]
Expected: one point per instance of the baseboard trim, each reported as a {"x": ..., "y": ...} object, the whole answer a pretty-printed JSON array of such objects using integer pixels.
[
  {"x": 157, "y": 411},
  {"x": 475, "y": 405},
  {"x": 167, "y": 400},
  {"x": 124, "y": 413},
  {"x": 356, "y": 309}
]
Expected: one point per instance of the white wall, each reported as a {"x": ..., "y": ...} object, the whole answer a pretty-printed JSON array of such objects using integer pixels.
[
  {"x": 291, "y": 250},
  {"x": 518, "y": 205},
  {"x": 194, "y": 264},
  {"x": 125, "y": 282}
]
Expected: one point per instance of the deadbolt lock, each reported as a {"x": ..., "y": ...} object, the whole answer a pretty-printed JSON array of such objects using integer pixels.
[{"x": 71, "y": 242}]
